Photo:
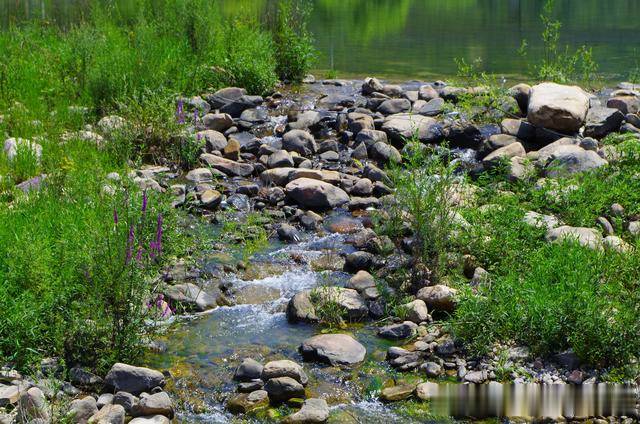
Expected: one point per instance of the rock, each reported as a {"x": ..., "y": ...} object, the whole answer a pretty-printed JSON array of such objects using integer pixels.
[
  {"x": 85, "y": 379},
  {"x": 427, "y": 391},
  {"x": 576, "y": 377},
  {"x": 537, "y": 220},
  {"x": 110, "y": 124},
  {"x": 371, "y": 137},
  {"x": 417, "y": 311},
  {"x": 363, "y": 187},
  {"x": 217, "y": 121},
  {"x": 299, "y": 141},
  {"x": 358, "y": 261},
  {"x": 280, "y": 159},
  {"x": 104, "y": 399},
  {"x": 288, "y": 233},
  {"x": 439, "y": 297},
  {"x": 397, "y": 393},
  {"x": 246, "y": 402},
  {"x": 133, "y": 379},
  {"x": 305, "y": 120},
  {"x": 199, "y": 175},
  {"x": 109, "y": 414},
  {"x": 353, "y": 305},
  {"x": 358, "y": 122},
  {"x": 334, "y": 349},
  {"x": 284, "y": 368},
  {"x": 385, "y": 153},
  {"x": 232, "y": 150},
  {"x": 393, "y": 106},
  {"x": 398, "y": 331},
  {"x": 316, "y": 194},
  {"x": 213, "y": 140},
  {"x": 361, "y": 281},
  {"x": 402, "y": 127},
  {"x": 371, "y": 85},
  {"x": 227, "y": 166},
  {"x": 427, "y": 93},
  {"x": 558, "y": 107},
  {"x": 81, "y": 410},
  {"x": 602, "y": 121},
  {"x": 466, "y": 136},
  {"x": 587, "y": 237},
  {"x": 570, "y": 160},
  {"x": 521, "y": 93},
  {"x": 431, "y": 369},
  {"x": 250, "y": 386},
  {"x": 155, "y": 404},
  {"x": 9, "y": 395},
  {"x": 211, "y": 199},
  {"x": 432, "y": 108},
  {"x": 300, "y": 308},
  {"x": 152, "y": 419},
  {"x": 14, "y": 146},
  {"x": 125, "y": 399},
  {"x": 522, "y": 130},
  {"x": 503, "y": 154},
  {"x": 32, "y": 405},
  {"x": 191, "y": 294},
  {"x": 312, "y": 411},
  {"x": 476, "y": 377},
  {"x": 281, "y": 389},
  {"x": 625, "y": 104}
]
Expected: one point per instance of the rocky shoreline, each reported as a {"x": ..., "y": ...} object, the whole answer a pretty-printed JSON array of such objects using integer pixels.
[{"x": 296, "y": 158}]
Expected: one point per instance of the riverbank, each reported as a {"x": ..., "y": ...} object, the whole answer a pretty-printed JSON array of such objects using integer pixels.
[{"x": 419, "y": 233}]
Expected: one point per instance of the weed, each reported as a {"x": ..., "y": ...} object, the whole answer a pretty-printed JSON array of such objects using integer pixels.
[
  {"x": 330, "y": 312},
  {"x": 293, "y": 43}
]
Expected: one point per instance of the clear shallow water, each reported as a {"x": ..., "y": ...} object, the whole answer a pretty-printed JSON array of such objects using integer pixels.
[{"x": 420, "y": 38}]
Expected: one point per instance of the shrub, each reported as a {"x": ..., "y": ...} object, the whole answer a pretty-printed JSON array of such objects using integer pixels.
[
  {"x": 293, "y": 43},
  {"x": 328, "y": 309}
]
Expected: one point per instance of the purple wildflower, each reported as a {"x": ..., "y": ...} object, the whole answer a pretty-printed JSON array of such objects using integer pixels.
[
  {"x": 180, "y": 112},
  {"x": 145, "y": 199},
  {"x": 195, "y": 116},
  {"x": 139, "y": 254},
  {"x": 129, "y": 246},
  {"x": 158, "y": 244},
  {"x": 115, "y": 216}
]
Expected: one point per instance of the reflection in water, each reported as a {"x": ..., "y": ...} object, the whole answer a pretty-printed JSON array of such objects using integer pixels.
[{"x": 533, "y": 401}]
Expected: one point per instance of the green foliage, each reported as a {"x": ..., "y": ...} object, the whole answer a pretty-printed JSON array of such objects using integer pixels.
[
  {"x": 325, "y": 300},
  {"x": 247, "y": 231},
  {"x": 293, "y": 42},
  {"x": 424, "y": 185},
  {"x": 558, "y": 64}
]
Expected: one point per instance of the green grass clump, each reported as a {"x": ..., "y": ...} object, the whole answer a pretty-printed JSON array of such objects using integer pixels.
[{"x": 293, "y": 43}]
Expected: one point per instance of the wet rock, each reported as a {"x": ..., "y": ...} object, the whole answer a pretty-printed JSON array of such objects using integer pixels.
[
  {"x": 81, "y": 410},
  {"x": 313, "y": 411},
  {"x": 558, "y": 107},
  {"x": 284, "y": 368},
  {"x": 587, "y": 237},
  {"x": 227, "y": 166},
  {"x": 397, "y": 393},
  {"x": 305, "y": 120},
  {"x": 152, "y": 419},
  {"x": 33, "y": 405},
  {"x": 602, "y": 121},
  {"x": 281, "y": 389},
  {"x": 316, "y": 194},
  {"x": 300, "y": 308},
  {"x": 417, "y": 311},
  {"x": 402, "y": 127},
  {"x": 217, "y": 121},
  {"x": 109, "y": 414},
  {"x": 133, "y": 379},
  {"x": 334, "y": 349},
  {"x": 246, "y": 402},
  {"x": 299, "y": 141},
  {"x": 576, "y": 377},
  {"x": 438, "y": 297},
  {"x": 399, "y": 331},
  {"x": 353, "y": 305},
  {"x": 155, "y": 404},
  {"x": 288, "y": 233},
  {"x": 191, "y": 295},
  {"x": 250, "y": 386}
]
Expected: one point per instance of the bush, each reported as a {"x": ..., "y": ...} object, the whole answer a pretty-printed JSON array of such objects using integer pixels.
[{"x": 293, "y": 43}]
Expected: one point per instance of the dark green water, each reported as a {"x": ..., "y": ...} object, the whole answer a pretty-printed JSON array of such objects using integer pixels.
[{"x": 421, "y": 38}]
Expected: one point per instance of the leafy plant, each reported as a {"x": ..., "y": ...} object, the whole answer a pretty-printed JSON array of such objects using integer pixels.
[
  {"x": 330, "y": 312},
  {"x": 293, "y": 43}
]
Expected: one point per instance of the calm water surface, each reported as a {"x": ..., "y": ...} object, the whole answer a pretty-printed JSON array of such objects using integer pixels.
[{"x": 421, "y": 38}]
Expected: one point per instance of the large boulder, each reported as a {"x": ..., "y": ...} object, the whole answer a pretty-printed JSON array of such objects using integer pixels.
[
  {"x": 334, "y": 349},
  {"x": 315, "y": 194},
  {"x": 248, "y": 370},
  {"x": 403, "y": 126},
  {"x": 625, "y": 104},
  {"x": 438, "y": 297},
  {"x": 299, "y": 141},
  {"x": 558, "y": 107},
  {"x": 587, "y": 237},
  {"x": 572, "y": 159},
  {"x": 313, "y": 411},
  {"x": 352, "y": 304},
  {"x": 127, "y": 378}
]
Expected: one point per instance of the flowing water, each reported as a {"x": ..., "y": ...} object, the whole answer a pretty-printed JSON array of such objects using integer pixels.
[{"x": 421, "y": 38}]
